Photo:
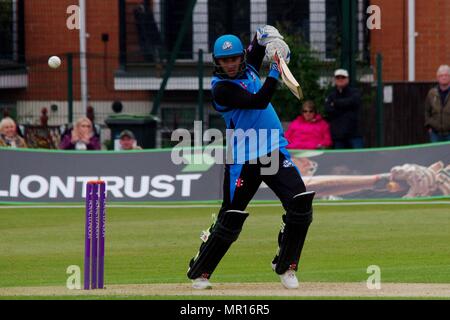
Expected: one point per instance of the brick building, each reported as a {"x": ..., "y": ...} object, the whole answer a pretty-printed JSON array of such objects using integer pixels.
[
  {"x": 45, "y": 33},
  {"x": 127, "y": 38},
  {"x": 432, "y": 41}
]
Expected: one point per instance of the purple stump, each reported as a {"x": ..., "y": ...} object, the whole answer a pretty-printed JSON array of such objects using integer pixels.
[
  {"x": 102, "y": 226},
  {"x": 88, "y": 236},
  {"x": 95, "y": 236}
]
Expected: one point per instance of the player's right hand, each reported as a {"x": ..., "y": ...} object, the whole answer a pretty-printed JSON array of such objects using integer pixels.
[
  {"x": 274, "y": 66},
  {"x": 274, "y": 70},
  {"x": 280, "y": 46}
]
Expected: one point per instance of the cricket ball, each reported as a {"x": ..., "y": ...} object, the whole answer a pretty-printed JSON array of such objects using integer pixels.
[
  {"x": 54, "y": 62},
  {"x": 393, "y": 186}
]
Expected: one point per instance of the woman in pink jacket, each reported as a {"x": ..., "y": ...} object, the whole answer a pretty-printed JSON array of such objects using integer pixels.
[{"x": 309, "y": 130}]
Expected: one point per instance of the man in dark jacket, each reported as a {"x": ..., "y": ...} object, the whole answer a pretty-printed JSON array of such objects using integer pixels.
[
  {"x": 342, "y": 108},
  {"x": 437, "y": 107}
]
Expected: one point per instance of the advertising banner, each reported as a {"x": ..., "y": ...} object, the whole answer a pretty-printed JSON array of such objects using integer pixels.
[{"x": 145, "y": 176}]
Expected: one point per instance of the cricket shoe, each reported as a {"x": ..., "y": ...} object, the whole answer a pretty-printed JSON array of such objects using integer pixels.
[
  {"x": 288, "y": 279},
  {"x": 201, "y": 283}
]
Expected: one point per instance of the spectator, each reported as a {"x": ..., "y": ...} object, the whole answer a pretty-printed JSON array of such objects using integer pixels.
[
  {"x": 128, "y": 141},
  {"x": 65, "y": 129},
  {"x": 9, "y": 136},
  {"x": 309, "y": 130},
  {"x": 81, "y": 137},
  {"x": 437, "y": 107},
  {"x": 342, "y": 107}
]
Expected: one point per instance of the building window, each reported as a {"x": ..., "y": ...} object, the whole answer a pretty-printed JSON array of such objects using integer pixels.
[
  {"x": 6, "y": 30},
  {"x": 149, "y": 30},
  {"x": 326, "y": 28},
  {"x": 173, "y": 16},
  {"x": 333, "y": 30},
  {"x": 11, "y": 31},
  {"x": 292, "y": 16},
  {"x": 232, "y": 16},
  {"x": 143, "y": 34}
]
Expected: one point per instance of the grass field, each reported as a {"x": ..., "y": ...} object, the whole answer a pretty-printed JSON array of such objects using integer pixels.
[{"x": 409, "y": 242}]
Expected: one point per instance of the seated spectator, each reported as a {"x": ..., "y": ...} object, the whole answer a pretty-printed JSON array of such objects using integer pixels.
[
  {"x": 437, "y": 107},
  {"x": 9, "y": 136},
  {"x": 90, "y": 114},
  {"x": 128, "y": 141},
  {"x": 309, "y": 130},
  {"x": 81, "y": 137}
]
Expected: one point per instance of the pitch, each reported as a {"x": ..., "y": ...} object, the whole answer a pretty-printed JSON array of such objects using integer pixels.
[{"x": 148, "y": 249}]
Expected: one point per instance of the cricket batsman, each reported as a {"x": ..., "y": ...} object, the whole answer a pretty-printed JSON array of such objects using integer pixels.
[{"x": 244, "y": 103}]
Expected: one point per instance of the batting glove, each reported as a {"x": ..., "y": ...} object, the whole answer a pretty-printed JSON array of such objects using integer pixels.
[
  {"x": 266, "y": 34},
  {"x": 278, "y": 45},
  {"x": 274, "y": 70}
]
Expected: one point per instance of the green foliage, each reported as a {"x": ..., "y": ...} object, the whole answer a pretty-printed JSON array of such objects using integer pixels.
[{"x": 305, "y": 66}]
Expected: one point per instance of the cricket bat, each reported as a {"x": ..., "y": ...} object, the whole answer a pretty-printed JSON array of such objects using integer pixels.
[{"x": 287, "y": 77}]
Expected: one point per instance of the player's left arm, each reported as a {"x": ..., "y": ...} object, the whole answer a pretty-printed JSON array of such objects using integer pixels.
[
  {"x": 233, "y": 96},
  {"x": 255, "y": 54}
]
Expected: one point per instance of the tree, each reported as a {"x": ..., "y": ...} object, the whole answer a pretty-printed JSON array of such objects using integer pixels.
[{"x": 305, "y": 66}]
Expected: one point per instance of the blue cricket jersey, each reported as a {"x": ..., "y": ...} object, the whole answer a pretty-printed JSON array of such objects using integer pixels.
[{"x": 256, "y": 132}]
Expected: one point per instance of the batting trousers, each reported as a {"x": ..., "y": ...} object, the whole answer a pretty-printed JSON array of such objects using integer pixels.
[{"x": 241, "y": 182}]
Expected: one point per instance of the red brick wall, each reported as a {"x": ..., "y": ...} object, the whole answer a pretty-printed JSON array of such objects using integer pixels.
[
  {"x": 45, "y": 28},
  {"x": 432, "y": 42},
  {"x": 390, "y": 41},
  {"x": 46, "y": 34}
]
